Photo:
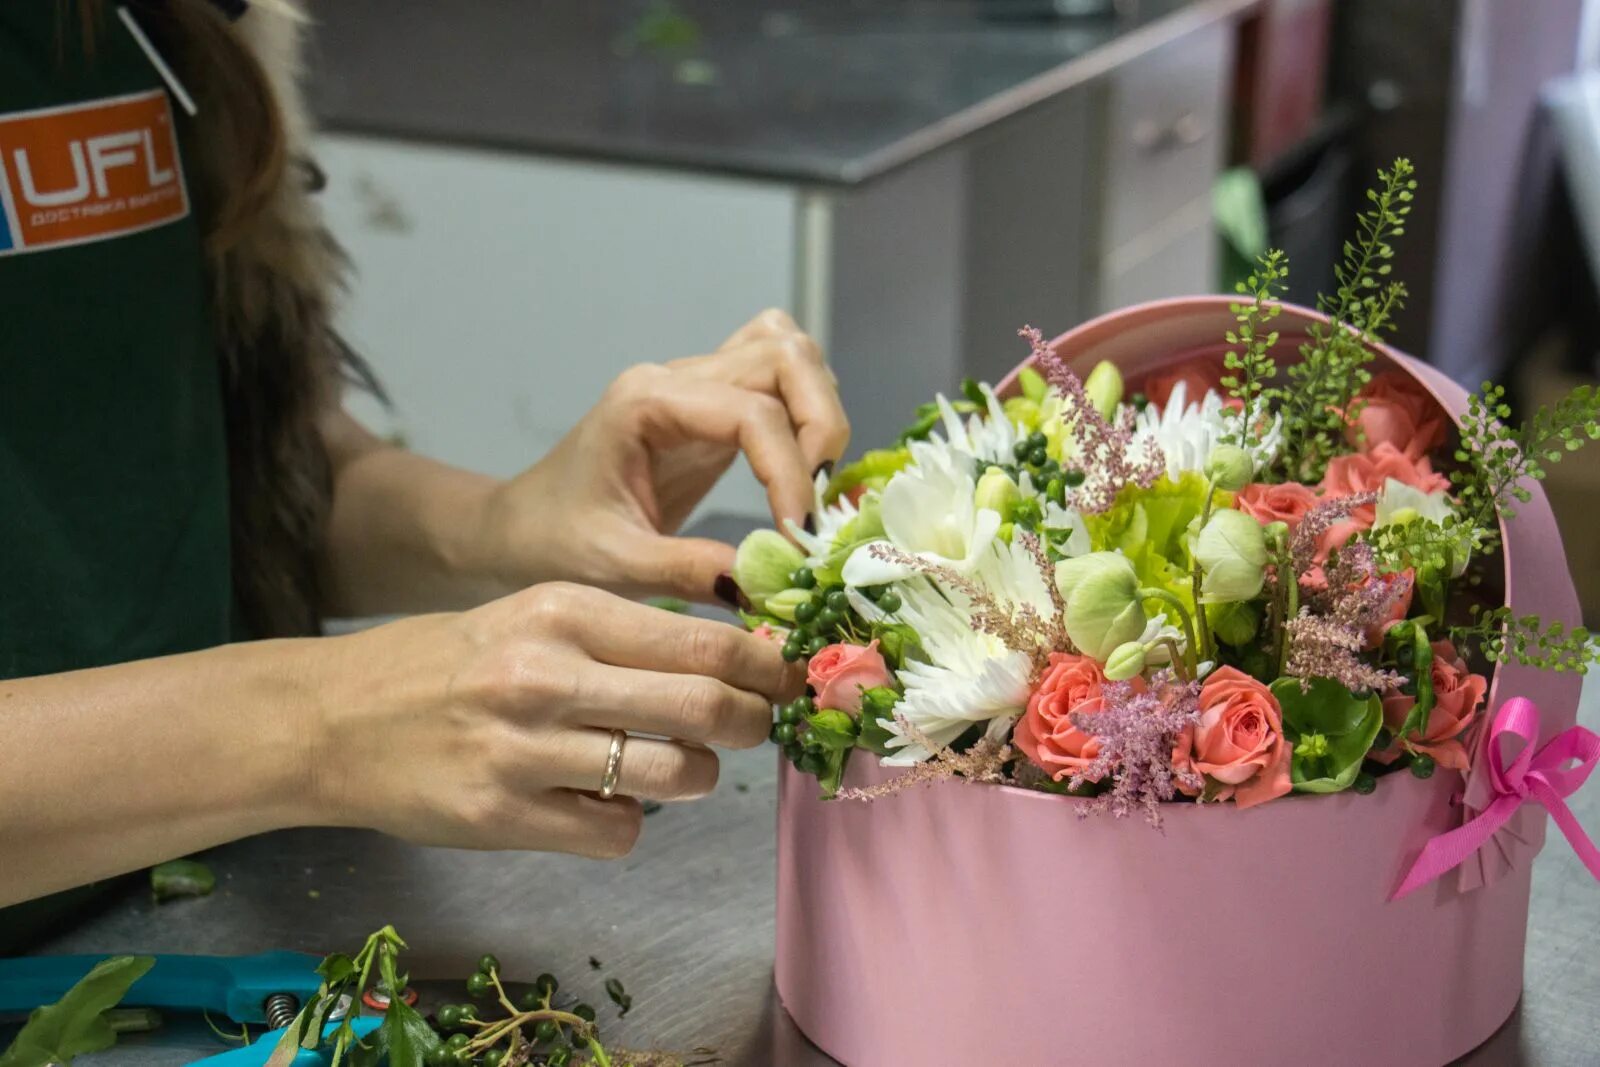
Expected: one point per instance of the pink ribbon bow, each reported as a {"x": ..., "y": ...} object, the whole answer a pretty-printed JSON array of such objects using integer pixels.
[{"x": 1542, "y": 776}]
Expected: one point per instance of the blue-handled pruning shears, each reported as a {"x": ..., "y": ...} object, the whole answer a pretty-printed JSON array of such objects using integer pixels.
[{"x": 266, "y": 989}]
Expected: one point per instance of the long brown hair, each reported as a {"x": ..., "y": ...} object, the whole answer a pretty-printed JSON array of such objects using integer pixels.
[{"x": 274, "y": 270}]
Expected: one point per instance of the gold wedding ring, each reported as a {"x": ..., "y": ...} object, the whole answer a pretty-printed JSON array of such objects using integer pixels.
[{"x": 608, "y": 781}]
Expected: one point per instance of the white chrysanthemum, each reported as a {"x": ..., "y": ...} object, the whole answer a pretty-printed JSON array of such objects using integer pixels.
[
  {"x": 987, "y": 436},
  {"x": 928, "y": 511},
  {"x": 829, "y": 520},
  {"x": 1187, "y": 432},
  {"x": 972, "y": 677}
]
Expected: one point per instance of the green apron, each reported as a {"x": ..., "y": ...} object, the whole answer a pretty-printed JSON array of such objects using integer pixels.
[{"x": 113, "y": 459}]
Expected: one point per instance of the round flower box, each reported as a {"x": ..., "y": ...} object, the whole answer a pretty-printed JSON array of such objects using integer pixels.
[{"x": 960, "y": 923}]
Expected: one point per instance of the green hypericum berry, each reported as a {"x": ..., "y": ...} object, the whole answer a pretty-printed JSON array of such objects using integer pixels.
[
  {"x": 827, "y": 619},
  {"x": 439, "y": 1057},
  {"x": 478, "y": 984},
  {"x": 815, "y": 645},
  {"x": 1020, "y": 450},
  {"x": 839, "y": 601},
  {"x": 788, "y": 713},
  {"x": 792, "y": 751},
  {"x": 468, "y": 1013},
  {"x": 1038, "y": 457},
  {"x": 1422, "y": 766},
  {"x": 463, "y": 1057},
  {"x": 584, "y": 1012},
  {"x": 529, "y": 1001},
  {"x": 1073, "y": 479},
  {"x": 792, "y": 651},
  {"x": 782, "y": 733},
  {"x": 803, "y": 705},
  {"x": 1037, "y": 440},
  {"x": 547, "y": 1030},
  {"x": 1364, "y": 783},
  {"x": 813, "y": 763},
  {"x": 493, "y": 1057},
  {"x": 487, "y": 963},
  {"x": 448, "y": 1016},
  {"x": 805, "y": 611},
  {"x": 455, "y": 1041},
  {"x": 803, "y": 578},
  {"x": 546, "y": 984},
  {"x": 889, "y": 602}
]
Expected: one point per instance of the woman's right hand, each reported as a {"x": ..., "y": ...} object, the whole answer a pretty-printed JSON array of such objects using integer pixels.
[{"x": 491, "y": 728}]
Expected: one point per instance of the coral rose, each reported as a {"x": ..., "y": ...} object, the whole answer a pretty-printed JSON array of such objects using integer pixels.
[
  {"x": 1365, "y": 472},
  {"x": 1286, "y": 502},
  {"x": 1197, "y": 376},
  {"x": 839, "y": 673},
  {"x": 1457, "y": 695},
  {"x": 1394, "y": 409},
  {"x": 1045, "y": 732},
  {"x": 1238, "y": 743}
]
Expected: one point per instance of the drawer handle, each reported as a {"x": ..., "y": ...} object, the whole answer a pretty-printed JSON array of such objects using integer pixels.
[{"x": 1185, "y": 131}]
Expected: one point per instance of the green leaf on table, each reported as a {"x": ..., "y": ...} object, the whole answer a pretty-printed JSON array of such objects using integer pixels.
[
  {"x": 76, "y": 1024},
  {"x": 1331, "y": 729},
  {"x": 619, "y": 996},
  {"x": 181, "y": 878}
]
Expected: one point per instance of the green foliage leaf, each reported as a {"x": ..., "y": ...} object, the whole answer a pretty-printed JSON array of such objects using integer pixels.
[
  {"x": 1345, "y": 722},
  {"x": 181, "y": 878},
  {"x": 833, "y": 730},
  {"x": 877, "y": 711},
  {"x": 1033, "y": 385},
  {"x": 76, "y": 1024}
]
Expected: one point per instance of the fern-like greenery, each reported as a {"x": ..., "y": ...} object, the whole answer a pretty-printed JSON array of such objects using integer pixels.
[
  {"x": 1502, "y": 636},
  {"x": 1251, "y": 368},
  {"x": 1319, "y": 398}
]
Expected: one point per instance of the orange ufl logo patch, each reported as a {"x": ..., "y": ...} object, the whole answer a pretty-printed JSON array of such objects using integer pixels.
[{"x": 88, "y": 172}]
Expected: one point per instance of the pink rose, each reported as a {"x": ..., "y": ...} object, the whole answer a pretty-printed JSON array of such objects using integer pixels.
[
  {"x": 839, "y": 673},
  {"x": 1238, "y": 743},
  {"x": 1197, "y": 376},
  {"x": 1394, "y": 409},
  {"x": 1457, "y": 695},
  {"x": 1365, "y": 472},
  {"x": 1286, "y": 502},
  {"x": 1045, "y": 732}
]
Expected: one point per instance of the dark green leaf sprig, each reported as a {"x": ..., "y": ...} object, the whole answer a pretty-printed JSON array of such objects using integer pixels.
[
  {"x": 79, "y": 1023},
  {"x": 1251, "y": 368},
  {"x": 1500, "y": 635}
]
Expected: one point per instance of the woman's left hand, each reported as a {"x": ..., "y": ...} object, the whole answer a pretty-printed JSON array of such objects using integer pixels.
[{"x": 603, "y": 507}]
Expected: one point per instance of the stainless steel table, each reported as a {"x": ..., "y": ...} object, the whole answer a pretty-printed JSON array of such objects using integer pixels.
[{"x": 686, "y": 923}]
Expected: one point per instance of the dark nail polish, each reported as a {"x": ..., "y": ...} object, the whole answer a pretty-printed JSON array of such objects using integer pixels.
[
  {"x": 810, "y": 524},
  {"x": 824, "y": 468},
  {"x": 727, "y": 590}
]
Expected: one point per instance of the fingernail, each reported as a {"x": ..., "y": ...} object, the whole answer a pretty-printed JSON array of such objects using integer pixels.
[
  {"x": 810, "y": 525},
  {"x": 825, "y": 468},
  {"x": 727, "y": 590}
]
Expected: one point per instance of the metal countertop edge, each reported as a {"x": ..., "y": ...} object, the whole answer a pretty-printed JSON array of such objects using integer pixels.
[{"x": 926, "y": 141}]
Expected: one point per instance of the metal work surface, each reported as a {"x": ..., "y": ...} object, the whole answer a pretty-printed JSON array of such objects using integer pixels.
[{"x": 834, "y": 92}]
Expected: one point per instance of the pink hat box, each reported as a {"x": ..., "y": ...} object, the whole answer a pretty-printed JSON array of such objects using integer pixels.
[{"x": 978, "y": 924}]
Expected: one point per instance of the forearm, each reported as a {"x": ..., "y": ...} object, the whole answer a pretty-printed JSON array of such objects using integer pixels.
[
  {"x": 406, "y": 533},
  {"x": 108, "y": 770}
]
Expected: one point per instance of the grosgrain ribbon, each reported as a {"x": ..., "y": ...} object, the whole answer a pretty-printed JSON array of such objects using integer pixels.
[{"x": 1543, "y": 777}]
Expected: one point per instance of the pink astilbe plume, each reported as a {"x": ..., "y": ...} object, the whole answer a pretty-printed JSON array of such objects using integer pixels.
[
  {"x": 1137, "y": 732},
  {"x": 983, "y": 762},
  {"x": 1019, "y": 627},
  {"x": 1108, "y": 455},
  {"x": 1318, "y": 521},
  {"x": 1326, "y": 639}
]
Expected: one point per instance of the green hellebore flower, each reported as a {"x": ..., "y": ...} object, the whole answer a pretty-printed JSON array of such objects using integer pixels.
[
  {"x": 1104, "y": 388},
  {"x": 1103, "y": 607},
  {"x": 1033, "y": 385},
  {"x": 1230, "y": 467},
  {"x": 1126, "y": 661},
  {"x": 996, "y": 491},
  {"x": 763, "y": 564},
  {"x": 1232, "y": 551}
]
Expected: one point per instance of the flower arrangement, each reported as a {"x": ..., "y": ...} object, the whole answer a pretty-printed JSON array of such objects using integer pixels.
[{"x": 1236, "y": 582}]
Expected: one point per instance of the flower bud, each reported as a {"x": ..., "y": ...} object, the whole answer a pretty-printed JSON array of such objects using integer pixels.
[
  {"x": 996, "y": 491},
  {"x": 1230, "y": 467},
  {"x": 1104, "y": 387},
  {"x": 1126, "y": 661},
  {"x": 782, "y": 604},
  {"x": 1100, "y": 592},
  {"x": 763, "y": 564},
  {"x": 1232, "y": 551}
]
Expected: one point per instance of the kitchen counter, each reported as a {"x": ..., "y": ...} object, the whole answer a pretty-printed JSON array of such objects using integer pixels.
[
  {"x": 686, "y": 923},
  {"x": 830, "y": 91}
]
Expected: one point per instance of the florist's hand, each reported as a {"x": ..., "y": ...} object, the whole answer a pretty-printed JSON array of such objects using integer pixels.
[
  {"x": 603, "y": 506},
  {"x": 491, "y": 728}
]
